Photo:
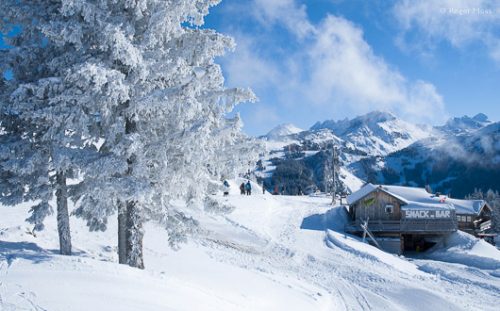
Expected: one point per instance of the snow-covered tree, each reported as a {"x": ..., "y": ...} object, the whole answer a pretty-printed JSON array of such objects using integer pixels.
[
  {"x": 32, "y": 170},
  {"x": 476, "y": 195},
  {"x": 493, "y": 199},
  {"x": 42, "y": 128},
  {"x": 143, "y": 74}
]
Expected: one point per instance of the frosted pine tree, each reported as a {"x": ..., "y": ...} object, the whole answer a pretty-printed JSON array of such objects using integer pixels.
[
  {"x": 169, "y": 136},
  {"x": 160, "y": 104},
  {"x": 42, "y": 129},
  {"x": 493, "y": 199},
  {"x": 141, "y": 77}
]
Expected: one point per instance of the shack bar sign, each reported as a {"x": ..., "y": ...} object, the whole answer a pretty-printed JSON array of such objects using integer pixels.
[{"x": 426, "y": 214}]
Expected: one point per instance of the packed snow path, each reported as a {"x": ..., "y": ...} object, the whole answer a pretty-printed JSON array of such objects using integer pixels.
[
  {"x": 270, "y": 253},
  {"x": 354, "y": 275}
]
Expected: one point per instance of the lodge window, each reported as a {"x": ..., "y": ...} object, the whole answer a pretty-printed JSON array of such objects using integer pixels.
[
  {"x": 464, "y": 218},
  {"x": 389, "y": 208}
]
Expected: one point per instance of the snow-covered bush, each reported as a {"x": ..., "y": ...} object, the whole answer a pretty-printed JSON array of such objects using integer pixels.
[{"x": 214, "y": 206}]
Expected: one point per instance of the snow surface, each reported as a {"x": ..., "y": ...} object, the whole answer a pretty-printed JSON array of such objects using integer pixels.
[
  {"x": 269, "y": 253},
  {"x": 352, "y": 182}
]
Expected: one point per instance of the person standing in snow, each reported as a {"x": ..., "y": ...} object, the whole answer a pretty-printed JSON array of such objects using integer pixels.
[
  {"x": 242, "y": 188},
  {"x": 226, "y": 187},
  {"x": 248, "y": 188},
  {"x": 275, "y": 191}
]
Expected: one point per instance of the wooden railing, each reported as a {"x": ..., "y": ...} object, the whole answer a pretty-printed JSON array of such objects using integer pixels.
[
  {"x": 435, "y": 225},
  {"x": 485, "y": 226}
]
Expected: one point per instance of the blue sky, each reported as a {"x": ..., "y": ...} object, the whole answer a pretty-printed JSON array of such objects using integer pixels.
[
  {"x": 314, "y": 60},
  {"x": 308, "y": 61}
]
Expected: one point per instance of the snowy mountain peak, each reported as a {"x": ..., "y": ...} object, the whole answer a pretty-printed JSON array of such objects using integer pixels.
[
  {"x": 481, "y": 117},
  {"x": 371, "y": 118},
  {"x": 465, "y": 124},
  {"x": 376, "y": 133},
  {"x": 282, "y": 130}
]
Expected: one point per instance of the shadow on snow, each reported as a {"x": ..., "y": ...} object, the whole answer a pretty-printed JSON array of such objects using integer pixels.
[
  {"x": 333, "y": 219},
  {"x": 9, "y": 251}
]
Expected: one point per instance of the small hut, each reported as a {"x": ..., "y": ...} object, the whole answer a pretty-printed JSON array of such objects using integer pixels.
[{"x": 407, "y": 218}]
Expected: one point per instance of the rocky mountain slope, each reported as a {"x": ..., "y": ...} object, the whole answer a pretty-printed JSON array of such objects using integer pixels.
[
  {"x": 454, "y": 158},
  {"x": 455, "y": 164},
  {"x": 376, "y": 133}
]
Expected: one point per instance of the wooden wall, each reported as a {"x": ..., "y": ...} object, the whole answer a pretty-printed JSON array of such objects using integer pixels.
[{"x": 373, "y": 206}]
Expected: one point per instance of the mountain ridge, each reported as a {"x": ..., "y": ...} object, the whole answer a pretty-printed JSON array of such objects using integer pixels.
[{"x": 381, "y": 148}]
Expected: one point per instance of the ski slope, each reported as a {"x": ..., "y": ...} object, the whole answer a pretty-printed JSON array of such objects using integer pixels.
[{"x": 269, "y": 253}]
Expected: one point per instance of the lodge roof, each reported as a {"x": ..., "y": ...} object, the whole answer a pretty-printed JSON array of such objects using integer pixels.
[
  {"x": 470, "y": 207},
  {"x": 419, "y": 198}
]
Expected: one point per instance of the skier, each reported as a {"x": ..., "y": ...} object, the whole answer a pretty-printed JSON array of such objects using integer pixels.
[
  {"x": 242, "y": 188},
  {"x": 248, "y": 188},
  {"x": 226, "y": 188},
  {"x": 263, "y": 188}
]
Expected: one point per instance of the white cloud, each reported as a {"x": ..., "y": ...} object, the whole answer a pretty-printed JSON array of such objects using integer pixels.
[
  {"x": 346, "y": 70},
  {"x": 344, "y": 64},
  {"x": 246, "y": 67},
  {"x": 285, "y": 12},
  {"x": 263, "y": 116},
  {"x": 334, "y": 69},
  {"x": 459, "y": 22}
]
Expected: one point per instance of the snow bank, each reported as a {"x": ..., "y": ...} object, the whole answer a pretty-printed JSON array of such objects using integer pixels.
[
  {"x": 358, "y": 248},
  {"x": 269, "y": 253},
  {"x": 463, "y": 248},
  {"x": 335, "y": 219},
  {"x": 34, "y": 277}
]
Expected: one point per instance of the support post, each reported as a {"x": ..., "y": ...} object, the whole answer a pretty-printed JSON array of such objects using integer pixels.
[
  {"x": 364, "y": 226},
  {"x": 334, "y": 182}
]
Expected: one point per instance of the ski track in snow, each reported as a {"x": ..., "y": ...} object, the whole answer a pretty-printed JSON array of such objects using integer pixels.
[
  {"x": 263, "y": 238},
  {"x": 351, "y": 276},
  {"x": 21, "y": 299}
]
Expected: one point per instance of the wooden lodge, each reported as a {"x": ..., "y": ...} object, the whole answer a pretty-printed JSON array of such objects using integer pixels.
[{"x": 405, "y": 218}]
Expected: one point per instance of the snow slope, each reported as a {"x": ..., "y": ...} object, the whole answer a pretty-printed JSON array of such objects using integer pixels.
[{"x": 269, "y": 253}]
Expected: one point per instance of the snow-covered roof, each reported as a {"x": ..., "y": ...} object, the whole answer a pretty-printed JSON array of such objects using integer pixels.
[
  {"x": 361, "y": 193},
  {"x": 419, "y": 198},
  {"x": 471, "y": 207},
  {"x": 369, "y": 188}
]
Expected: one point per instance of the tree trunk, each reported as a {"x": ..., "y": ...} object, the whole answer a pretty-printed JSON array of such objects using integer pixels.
[
  {"x": 122, "y": 233},
  {"x": 135, "y": 236},
  {"x": 134, "y": 233},
  {"x": 63, "y": 215}
]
